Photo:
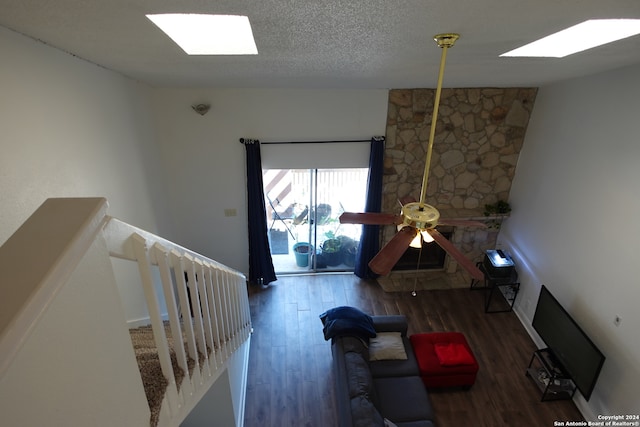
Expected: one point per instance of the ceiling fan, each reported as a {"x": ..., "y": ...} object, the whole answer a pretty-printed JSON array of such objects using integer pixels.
[{"x": 417, "y": 220}]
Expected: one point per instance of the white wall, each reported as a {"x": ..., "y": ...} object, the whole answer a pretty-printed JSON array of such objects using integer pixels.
[
  {"x": 205, "y": 162},
  {"x": 69, "y": 128},
  {"x": 574, "y": 225},
  {"x": 76, "y": 367}
]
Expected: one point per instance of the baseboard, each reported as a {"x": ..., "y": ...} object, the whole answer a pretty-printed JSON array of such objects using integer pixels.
[{"x": 526, "y": 323}]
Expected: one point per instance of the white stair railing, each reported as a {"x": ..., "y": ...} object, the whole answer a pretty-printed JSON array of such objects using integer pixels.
[
  {"x": 60, "y": 311},
  {"x": 213, "y": 298}
]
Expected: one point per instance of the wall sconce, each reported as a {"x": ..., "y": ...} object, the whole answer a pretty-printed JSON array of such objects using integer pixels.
[{"x": 201, "y": 109}]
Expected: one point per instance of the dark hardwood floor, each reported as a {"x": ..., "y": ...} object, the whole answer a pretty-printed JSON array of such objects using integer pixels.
[{"x": 290, "y": 378}]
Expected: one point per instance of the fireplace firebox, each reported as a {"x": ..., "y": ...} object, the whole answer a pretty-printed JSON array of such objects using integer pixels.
[{"x": 432, "y": 257}]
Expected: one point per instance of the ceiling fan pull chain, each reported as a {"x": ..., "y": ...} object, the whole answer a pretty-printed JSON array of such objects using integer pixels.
[{"x": 415, "y": 278}]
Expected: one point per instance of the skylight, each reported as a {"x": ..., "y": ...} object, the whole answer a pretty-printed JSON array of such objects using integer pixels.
[
  {"x": 208, "y": 34},
  {"x": 583, "y": 36}
]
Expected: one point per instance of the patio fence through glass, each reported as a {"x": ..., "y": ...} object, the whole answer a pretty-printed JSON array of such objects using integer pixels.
[{"x": 303, "y": 207}]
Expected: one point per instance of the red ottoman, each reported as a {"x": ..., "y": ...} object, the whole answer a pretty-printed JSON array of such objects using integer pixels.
[{"x": 445, "y": 359}]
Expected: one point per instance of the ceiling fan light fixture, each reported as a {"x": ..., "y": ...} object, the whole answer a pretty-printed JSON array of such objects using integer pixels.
[
  {"x": 420, "y": 215},
  {"x": 421, "y": 236},
  {"x": 417, "y": 241},
  {"x": 428, "y": 238}
]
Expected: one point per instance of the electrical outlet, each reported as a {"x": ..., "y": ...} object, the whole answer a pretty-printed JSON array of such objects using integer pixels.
[
  {"x": 230, "y": 212},
  {"x": 617, "y": 320}
]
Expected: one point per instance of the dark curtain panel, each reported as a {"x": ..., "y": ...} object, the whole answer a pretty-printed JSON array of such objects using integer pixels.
[
  {"x": 261, "y": 269},
  {"x": 370, "y": 240}
]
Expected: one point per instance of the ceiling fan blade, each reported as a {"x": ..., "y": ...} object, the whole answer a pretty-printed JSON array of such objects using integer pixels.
[
  {"x": 462, "y": 223},
  {"x": 389, "y": 255},
  {"x": 465, "y": 262},
  {"x": 406, "y": 199},
  {"x": 370, "y": 218}
]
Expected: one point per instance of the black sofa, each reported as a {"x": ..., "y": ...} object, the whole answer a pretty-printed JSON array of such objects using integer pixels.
[{"x": 382, "y": 392}]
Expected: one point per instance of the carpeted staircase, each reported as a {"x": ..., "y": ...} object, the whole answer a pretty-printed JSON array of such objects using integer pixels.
[{"x": 155, "y": 384}]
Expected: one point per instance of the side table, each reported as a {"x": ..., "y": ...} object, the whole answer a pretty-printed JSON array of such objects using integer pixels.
[{"x": 506, "y": 286}]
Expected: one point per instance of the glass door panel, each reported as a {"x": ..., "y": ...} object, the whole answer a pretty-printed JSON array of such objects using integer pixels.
[{"x": 303, "y": 207}]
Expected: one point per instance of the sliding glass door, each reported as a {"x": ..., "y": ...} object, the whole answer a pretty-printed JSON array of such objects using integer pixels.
[{"x": 303, "y": 207}]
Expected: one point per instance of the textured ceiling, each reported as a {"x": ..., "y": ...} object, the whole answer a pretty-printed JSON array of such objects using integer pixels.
[{"x": 329, "y": 43}]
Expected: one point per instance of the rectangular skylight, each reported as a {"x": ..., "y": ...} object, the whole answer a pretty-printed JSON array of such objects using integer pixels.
[
  {"x": 208, "y": 34},
  {"x": 583, "y": 36}
]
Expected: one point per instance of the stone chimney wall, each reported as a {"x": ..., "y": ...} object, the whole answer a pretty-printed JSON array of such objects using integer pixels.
[{"x": 479, "y": 135}]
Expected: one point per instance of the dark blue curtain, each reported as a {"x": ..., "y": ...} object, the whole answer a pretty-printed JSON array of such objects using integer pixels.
[
  {"x": 261, "y": 269},
  {"x": 370, "y": 239}
]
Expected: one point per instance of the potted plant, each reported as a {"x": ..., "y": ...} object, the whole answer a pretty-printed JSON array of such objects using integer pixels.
[
  {"x": 331, "y": 250},
  {"x": 348, "y": 247},
  {"x": 499, "y": 209}
]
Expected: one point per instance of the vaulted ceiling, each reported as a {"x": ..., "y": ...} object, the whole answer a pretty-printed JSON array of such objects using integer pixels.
[{"x": 329, "y": 43}]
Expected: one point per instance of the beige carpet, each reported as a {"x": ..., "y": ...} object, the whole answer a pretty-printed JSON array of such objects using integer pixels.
[{"x": 155, "y": 384}]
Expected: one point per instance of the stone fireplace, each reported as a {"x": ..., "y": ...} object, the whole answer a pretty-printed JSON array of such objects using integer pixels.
[{"x": 479, "y": 135}]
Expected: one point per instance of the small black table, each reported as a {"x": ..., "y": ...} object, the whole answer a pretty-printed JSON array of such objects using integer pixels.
[{"x": 507, "y": 286}]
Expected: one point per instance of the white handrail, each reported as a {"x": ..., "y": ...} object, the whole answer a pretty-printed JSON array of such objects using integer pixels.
[{"x": 28, "y": 285}]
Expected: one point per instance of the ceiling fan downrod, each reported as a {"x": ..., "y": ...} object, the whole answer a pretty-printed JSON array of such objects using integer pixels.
[{"x": 445, "y": 41}]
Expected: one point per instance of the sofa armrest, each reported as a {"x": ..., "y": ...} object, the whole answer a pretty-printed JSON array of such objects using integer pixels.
[
  {"x": 343, "y": 401},
  {"x": 390, "y": 323}
]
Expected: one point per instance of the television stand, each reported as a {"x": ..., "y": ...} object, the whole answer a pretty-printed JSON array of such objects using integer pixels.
[{"x": 549, "y": 376}]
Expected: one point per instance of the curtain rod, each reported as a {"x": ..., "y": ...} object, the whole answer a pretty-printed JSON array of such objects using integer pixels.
[{"x": 242, "y": 141}]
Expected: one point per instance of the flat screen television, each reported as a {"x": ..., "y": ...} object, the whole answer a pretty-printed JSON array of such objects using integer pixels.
[{"x": 570, "y": 346}]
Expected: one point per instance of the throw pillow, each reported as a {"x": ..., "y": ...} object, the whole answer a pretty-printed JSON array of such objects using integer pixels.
[
  {"x": 452, "y": 354},
  {"x": 347, "y": 321},
  {"x": 387, "y": 346}
]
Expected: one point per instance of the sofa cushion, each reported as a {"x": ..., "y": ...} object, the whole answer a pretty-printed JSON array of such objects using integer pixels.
[
  {"x": 391, "y": 323},
  {"x": 396, "y": 368},
  {"x": 403, "y": 399},
  {"x": 347, "y": 321},
  {"x": 364, "y": 413},
  {"x": 387, "y": 346}
]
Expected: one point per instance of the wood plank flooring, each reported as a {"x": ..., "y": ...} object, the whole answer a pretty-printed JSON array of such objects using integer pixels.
[{"x": 290, "y": 377}]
